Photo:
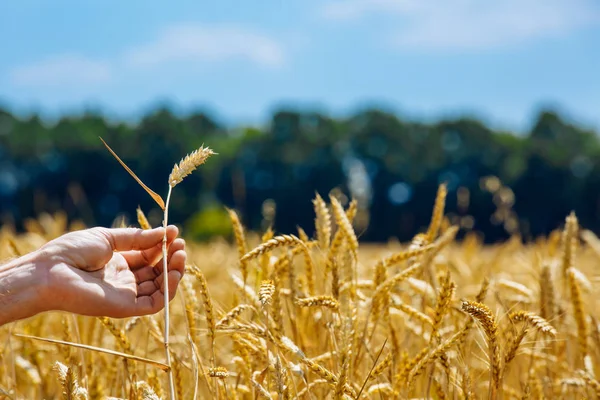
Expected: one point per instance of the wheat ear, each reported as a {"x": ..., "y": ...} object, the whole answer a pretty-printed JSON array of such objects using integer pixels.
[
  {"x": 338, "y": 238},
  {"x": 443, "y": 303},
  {"x": 412, "y": 312},
  {"x": 68, "y": 380},
  {"x": 424, "y": 360},
  {"x": 147, "y": 392},
  {"x": 265, "y": 296},
  {"x": 142, "y": 220},
  {"x": 233, "y": 314},
  {"x": 318, "y": 301},
  {"x": 190, "y": 305},
  {"x": 387, "y": 285},
  {"x": 188, "y": 164},
  {"x": 240, "y": 240},
  {"x": 569, "y": 244},
  {"x": 578, "y": 313},
  {"x": 343, "y": 376},
  {"x": 381, "y": 367},
  {"x": 345, "y": 226},
  {"x": 277, "y": 241},
  {"x": 118, "y": 333},
  {"x": 486, "y": 319},
  {"x": 438, "y": 213},
  {"x": 547, "y": 294},
  {"x": 265, "y": 293},
  {"x": 208, "y": 306},
  {"x": 322, "y": 222},
  {"x": 539, "y": 323}
]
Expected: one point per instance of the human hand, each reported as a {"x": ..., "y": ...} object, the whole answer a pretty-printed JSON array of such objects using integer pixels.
[{"x": 112, "y": 272}]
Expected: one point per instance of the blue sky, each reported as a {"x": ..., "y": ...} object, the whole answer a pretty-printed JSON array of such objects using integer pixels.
[{"x": 498, "y": 60}]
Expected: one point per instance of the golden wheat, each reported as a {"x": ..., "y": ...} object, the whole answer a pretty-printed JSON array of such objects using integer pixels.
[
  {"x": 385, "y": 325},
  {"x": 535, "y": 320},
  {"x": 322, "y": 222},
  {"x": 277, "y": 241},
  {"x": 485, "y": 317},
  {"x": 188, "y": 164},
  {"x": 318, "y": 301}
]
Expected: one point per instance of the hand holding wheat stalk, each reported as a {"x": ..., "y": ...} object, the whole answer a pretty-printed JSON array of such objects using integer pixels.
[{"x": 185, "y": 167}]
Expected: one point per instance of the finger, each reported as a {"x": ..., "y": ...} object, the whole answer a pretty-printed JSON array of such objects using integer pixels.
[
  {"x": 174, "y": 278},
  {"x": 153, "y": 303},
  {"x": 142, "y": 258},
  {"x": 124, "y": 239},
  {"x": 147, "y": 305},
  {"x": 145, "y": 274},
  {"x": 147, "y": 288},
  {"x": 177, "y": 246},
  {"x": 177, "y": 261},
  {"x": 176, "y": 257}
]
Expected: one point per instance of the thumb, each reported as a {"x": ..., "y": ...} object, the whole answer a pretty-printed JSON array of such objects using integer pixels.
[{"x": 123, "y": 239}]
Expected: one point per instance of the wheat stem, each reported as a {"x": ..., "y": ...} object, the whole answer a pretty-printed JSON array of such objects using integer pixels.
[{"x": 166, "y": 293}]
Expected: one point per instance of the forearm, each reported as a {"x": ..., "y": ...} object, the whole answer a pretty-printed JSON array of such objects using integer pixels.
[{"x": 23, "y": 288}]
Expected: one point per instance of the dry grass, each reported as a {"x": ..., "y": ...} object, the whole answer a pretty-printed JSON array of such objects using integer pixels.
[{"x": 327, "y": 317}]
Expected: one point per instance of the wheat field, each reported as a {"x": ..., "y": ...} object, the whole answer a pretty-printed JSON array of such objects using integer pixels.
[{"x": 286, "y": 316}]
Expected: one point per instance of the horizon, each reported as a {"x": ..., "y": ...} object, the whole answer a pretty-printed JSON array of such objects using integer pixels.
[{"x": 135, "y": 118}]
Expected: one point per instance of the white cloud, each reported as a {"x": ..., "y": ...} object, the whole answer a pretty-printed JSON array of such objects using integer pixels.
[
  {"x": 471, "y": 24},
  {"x": 61, "y": 70},
  {"x": 354, "y": 9},
  {"x": 208, "y": 43},
  {"x": 183, "y": 43}
]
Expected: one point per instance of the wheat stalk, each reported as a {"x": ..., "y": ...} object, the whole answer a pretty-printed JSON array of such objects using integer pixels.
[
  {"x": 160, "y": 365},
  {"x": 185, "y": 167},
  {"x": 485, "y": 317}
]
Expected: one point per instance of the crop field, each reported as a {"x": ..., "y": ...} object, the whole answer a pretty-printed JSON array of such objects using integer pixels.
[{"x": 284, "y": 316}]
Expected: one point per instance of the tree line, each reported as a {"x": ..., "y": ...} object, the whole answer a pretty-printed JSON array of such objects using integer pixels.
[{"x": 498, "y": 182}]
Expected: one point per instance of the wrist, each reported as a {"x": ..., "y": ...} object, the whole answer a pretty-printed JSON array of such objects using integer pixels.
[{"x": 24, "y": 290}]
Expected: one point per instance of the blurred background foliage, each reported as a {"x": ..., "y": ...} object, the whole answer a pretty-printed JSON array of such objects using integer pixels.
[{"x": 499, "y": 183}]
